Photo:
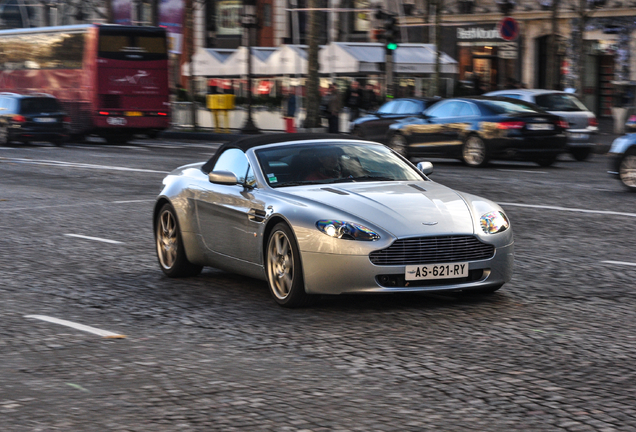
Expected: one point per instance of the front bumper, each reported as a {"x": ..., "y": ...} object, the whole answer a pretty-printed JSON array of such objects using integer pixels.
[{"x": 346, "y": 274}]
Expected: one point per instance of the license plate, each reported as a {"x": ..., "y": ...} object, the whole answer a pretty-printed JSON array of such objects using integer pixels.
[
  {"x": 579, "y": 135},
  {"x": 44, "y": 120},
  {"x": 436, "y": 271},
  {"x": 134, "y": 114},
  {"x": 540, "y": 126}
]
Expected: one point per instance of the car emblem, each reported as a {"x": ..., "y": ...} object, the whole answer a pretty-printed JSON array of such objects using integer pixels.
[{"x": 429, "y": 223}]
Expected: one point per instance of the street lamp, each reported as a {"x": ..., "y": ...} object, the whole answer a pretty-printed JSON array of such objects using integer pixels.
[{"x": 248, "y": 21}]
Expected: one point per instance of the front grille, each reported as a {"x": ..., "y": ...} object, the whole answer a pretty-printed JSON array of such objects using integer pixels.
[{"x": 425, "y": 250}]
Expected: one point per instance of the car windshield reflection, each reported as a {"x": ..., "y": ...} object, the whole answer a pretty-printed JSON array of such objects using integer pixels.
[{"x": 336, "y": 162}]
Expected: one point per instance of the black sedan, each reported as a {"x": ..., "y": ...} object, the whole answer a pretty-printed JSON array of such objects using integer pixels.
[
  {"x": 479, "y": 129},
  {"x": 375, "y": 125}
]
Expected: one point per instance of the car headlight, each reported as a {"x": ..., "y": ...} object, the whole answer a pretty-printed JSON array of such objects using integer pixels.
[
  {"x": 346, "y": 230},
  {"x": 494, "y": 222}
]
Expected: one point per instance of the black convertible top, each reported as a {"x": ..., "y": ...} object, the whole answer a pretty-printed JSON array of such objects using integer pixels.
[{"x": 249, "y": 142}]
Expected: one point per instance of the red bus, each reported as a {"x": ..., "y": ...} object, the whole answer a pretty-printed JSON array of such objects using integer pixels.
[{"x": 112, "y": 80}]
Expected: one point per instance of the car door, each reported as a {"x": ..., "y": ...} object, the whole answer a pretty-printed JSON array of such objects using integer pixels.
[
  {"x": 229, "y": 216},
  {"x": 375, "y": 129},
  {"x": 433, "y": 134}
]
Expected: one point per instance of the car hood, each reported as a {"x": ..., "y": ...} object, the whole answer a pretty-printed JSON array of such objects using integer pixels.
[{"x": 401, "y": 208}]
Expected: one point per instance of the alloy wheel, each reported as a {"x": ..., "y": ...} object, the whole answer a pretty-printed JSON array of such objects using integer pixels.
[
  {"x": 280, "y": 265},
  {"x": 474, "y": 152},
  {"x": 627, "y": 171},
  {"x": 167, "y": 241}
]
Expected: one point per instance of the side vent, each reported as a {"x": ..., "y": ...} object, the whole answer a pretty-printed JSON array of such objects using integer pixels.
[
  {"x": 419, "y": 188},
  {"x": 257, "y": 215}
]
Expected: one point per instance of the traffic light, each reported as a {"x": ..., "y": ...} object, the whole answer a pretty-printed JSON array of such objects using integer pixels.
[{"x": 391, "y": 33}]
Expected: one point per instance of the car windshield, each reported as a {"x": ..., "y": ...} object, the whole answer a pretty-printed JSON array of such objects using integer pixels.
[
  {"x": 509, "y": 107},
  {"x": 332, "y": 162},
  {"x": 39, "y": 105},
  {"x": 559, "y": 102}
]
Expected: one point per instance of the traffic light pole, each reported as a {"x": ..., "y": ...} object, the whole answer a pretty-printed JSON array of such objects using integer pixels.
[{"x": 388, "y": 62}]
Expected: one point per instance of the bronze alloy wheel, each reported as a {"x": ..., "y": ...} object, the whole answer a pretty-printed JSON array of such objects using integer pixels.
[
  {"x": 627, "y": 171},
  {"x": 170, "y": 251},
  {"x": 284, "y": 272}
]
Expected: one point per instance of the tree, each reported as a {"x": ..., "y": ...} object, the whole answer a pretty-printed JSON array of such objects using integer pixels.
[
  {"x": 584, "y": 10},
  {"x": 552, "y": 64},
  {"x": 312, "y": 119},
  {"x": 436, "y": 84}
]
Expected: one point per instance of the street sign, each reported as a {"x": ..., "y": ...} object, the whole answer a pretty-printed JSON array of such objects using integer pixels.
[
  {"x": 509, "y": 29},
  {"x": 512, "y": 54}
]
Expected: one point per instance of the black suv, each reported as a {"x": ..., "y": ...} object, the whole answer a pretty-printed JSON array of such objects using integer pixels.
[{"x": 32, "y": 117}]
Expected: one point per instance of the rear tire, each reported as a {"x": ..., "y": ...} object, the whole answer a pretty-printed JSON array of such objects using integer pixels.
[
  {"x": 398, "y": 143},
  {"x": 170, "y": 251},
  {"x": 284, "y": 269},
  {"x": 627, "y": 170},
  {"x": 474, "y": 152},
  {"x": 581, "y": 154}
]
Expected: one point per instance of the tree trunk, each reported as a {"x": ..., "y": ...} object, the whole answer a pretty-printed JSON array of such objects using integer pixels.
[
  {"x": 581, "y": 48},
  {"x": 552, "y": 63},
  {"x": 312, "y": 119},
  {"x": 436, "y": 84}
]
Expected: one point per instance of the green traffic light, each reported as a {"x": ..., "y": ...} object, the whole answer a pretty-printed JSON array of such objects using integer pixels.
[{"x": 391, "y": 46}]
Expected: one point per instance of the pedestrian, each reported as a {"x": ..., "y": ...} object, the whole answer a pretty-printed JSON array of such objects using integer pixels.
[
  {"x": 289, "y": 109},
  {"x": 369, "y": 98},
  {"x": 353, "y": 100},
  {"x": 333, "y": 109}
]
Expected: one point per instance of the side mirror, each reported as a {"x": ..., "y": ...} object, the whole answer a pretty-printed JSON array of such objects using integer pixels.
[
  {"x": 223, "y": 177},
  {"x": 425, "y": 167}
]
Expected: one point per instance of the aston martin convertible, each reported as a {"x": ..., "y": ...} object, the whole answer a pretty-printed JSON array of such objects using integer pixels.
[{"x": 324, "y": 214}]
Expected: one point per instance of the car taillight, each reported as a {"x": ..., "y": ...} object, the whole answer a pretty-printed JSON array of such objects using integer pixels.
[
  {"x": 593, "y": 122},
  {"x": 162, "y": 113},
  {"x": 562, "y": 124},
  {"x": 66, "y": 119},
  {"x": 103, "y": 113},
  {"x": 19, "y": 118},
  {"x": 511, "y": 125}
]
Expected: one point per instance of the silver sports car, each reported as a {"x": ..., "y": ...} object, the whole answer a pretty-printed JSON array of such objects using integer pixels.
[{"x": 324, "y": 214}]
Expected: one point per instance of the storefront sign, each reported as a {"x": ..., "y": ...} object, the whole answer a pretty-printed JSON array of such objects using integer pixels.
[
  {"x": 508, "y": 50},
  {"x": 475, "y": 33},
  {"x": 228, "y": 18},
  {"x": 171, "y": 18},
  {"x": 362, "y": 22}
]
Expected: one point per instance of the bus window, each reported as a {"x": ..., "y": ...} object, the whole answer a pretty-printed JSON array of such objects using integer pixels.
[{"x": 118, "y": 44}]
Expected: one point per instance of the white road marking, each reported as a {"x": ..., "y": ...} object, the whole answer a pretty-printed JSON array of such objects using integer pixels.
[
  {"x": 524, "y": 171},
  {"x": 74, "y": 205},
  {"x": 78, "y": 165},
  {"x": 94, "y": 238},
  {"x": 631, "y": 264},
  {"x": 82, "y": 327},
  {"x": 577, "y": 210}
]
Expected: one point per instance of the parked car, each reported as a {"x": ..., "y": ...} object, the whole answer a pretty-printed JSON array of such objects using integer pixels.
[
  {"x": 323, "y": 214},
  {"x": 32, "y": 117},
  {"x": 479, "y": 129},
  {"x": 623, "y": 160},
  {"x": 375, "y": 125},
  {"x": 582, "y": 123}
]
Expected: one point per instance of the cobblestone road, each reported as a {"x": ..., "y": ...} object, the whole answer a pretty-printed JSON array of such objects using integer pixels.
[{"x": 552, "y": 350}]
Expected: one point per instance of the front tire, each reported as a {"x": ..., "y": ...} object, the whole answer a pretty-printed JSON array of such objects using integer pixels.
[
  {"x": 547, "y": 161},
  {"x": 474, "y": 152},
  {"x": 284, "y": 269},
  {"x": 398, "y": 143},
  {"x": 170, "y": 250},
  {"x": 581, "y": 154},
  {"x": 627, "y": 170}
]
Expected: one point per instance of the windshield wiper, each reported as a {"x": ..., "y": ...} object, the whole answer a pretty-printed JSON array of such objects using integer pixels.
[{"x": 365, "y": 178}]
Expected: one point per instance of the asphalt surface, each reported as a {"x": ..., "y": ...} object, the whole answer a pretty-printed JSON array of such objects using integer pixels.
[{"x": 552, "y": 350}]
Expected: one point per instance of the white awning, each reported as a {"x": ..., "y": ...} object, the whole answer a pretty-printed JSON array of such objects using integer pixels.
[{"x": 340, "y": 58}]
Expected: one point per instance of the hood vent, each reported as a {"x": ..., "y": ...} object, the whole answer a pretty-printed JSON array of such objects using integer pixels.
[
  {"x": 419, "y": 188},
  {"x": 336, "y": 191}
]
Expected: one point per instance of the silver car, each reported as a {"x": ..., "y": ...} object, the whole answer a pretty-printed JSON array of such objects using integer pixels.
[
  {"x": 583, "y": 125},
  {"x": 323, "y": 214}
]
